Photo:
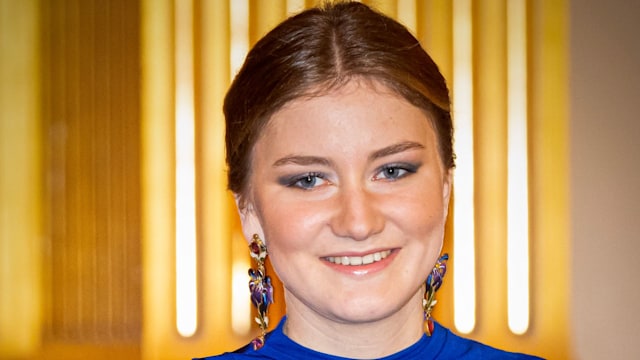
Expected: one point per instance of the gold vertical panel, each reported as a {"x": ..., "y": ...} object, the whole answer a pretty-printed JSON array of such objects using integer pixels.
[
  {"x": 295, "y": 6},
  {"x": 90, "y": 111},
  {"x": 20, "y": 185},
  {"x": 217, "y": 216},
  {"x": 157, "y": 168},
  {"x": 550, "y": 245},
  {"x": 435, "y": 32},
  {"x": 312, "y": 3},
  {"x": 407, "y": 14},
  {"x": 240, "y": 310},
  {"x": 490, "y": 124},
  {"x": 434, "y": 29},
  {"x": 264, "y": 16},
  {"x": 387, "y": 7}
]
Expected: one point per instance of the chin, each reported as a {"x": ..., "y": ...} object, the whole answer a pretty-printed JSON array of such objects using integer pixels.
[{"x": 365, "y": 311}]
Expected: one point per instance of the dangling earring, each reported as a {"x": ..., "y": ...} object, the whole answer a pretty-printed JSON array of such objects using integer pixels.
[
  {"x": 261, "y": 289},
  {"x": 434, "y": 280}
]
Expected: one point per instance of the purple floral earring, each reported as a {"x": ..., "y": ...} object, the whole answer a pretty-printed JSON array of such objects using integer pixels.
[
  {"x": 261, "y": 289},
  {"x": 434, "y": 280}
]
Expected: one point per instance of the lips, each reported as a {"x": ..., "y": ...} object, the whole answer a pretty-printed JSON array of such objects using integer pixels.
[{"x": 358, "y": 260}]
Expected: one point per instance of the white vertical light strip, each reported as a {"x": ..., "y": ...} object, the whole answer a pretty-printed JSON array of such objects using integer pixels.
[
  {"x": 407, "y": 10},
  {"x": 186, "y": 281},
  {"x": 239, "y": 34},
  {"x": 464, "y": 288},
  {"x": 295, "y": 6},
  {"x": 518, "y": 192},
  {"x": 240, "y": 306}
]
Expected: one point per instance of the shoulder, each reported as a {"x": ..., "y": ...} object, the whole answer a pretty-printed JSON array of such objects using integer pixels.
[
  {"x": 275, "y": 342},
  {"x": 456, "y": 347},
  {"x": 245, "y": 352}
]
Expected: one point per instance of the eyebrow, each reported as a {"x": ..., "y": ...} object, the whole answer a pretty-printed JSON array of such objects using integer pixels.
[
  {"x": 302, "y": 160},
  {"x": 395, "y": 149},
  {"x": 316, "y": 160}
]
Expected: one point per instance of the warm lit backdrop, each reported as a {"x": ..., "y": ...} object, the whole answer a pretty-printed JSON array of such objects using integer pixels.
[{"x": 114, "y": 208}]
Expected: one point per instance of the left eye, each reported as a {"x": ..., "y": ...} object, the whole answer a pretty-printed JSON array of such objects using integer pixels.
[
  {"x": 308, "y": 181},
  {"x": 393, "y": 172}
]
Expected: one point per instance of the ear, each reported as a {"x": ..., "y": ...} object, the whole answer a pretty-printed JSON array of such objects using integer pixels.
[
  {"x": 447, "y": 185},
  {"x": 248, "y": 218}
]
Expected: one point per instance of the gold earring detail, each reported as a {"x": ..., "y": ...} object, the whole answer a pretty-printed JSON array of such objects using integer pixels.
[
  {"x": 261, "y": 288},
  {"x": 434, "y": 281}
]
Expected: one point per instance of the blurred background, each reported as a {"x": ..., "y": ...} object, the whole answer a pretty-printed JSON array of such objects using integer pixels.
[{"x": 118, "y": 237}]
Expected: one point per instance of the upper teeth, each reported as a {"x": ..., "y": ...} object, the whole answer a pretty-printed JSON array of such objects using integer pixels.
[{"x": 359, "y": 260}]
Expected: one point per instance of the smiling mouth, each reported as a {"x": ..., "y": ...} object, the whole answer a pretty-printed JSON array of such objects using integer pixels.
[{"x": 358, "y": 260}]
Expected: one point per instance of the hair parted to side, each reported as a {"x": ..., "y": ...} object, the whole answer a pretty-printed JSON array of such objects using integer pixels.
[{"x": 321, "y": 49}]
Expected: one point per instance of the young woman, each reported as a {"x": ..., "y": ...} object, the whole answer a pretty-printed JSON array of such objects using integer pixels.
[{"x": 339, "y": 147}]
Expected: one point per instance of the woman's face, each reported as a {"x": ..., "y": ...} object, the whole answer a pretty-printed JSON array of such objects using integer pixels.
[{"x": 350, "y": 195}]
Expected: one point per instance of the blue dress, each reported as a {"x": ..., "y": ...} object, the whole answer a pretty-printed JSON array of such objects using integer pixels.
[{"x": 442, "y": 345}]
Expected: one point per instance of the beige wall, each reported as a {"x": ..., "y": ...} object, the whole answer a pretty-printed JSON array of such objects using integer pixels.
[{"x": 605, "y": 179}]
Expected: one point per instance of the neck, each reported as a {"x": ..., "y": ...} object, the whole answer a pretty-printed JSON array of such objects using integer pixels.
[{"x": 357, "y": 340}]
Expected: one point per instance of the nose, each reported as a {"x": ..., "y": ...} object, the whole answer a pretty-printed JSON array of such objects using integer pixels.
[{"x": 358, "y": 215}]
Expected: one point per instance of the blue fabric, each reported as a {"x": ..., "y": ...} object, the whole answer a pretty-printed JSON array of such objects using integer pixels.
[{"x": 442, "y": 345}]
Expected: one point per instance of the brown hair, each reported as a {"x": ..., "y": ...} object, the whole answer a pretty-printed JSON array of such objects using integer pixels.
[{"x": 318, "y": 50}]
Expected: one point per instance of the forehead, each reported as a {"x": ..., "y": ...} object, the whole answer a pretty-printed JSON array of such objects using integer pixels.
[
  {"x": 363, "y": 96},
  {"x": 354, "y": 114}
]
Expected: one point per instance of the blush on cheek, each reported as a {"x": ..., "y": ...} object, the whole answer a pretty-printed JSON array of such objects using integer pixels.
[
  {"x": 428, "y": 216},
  {"x": 432, "y": 230}
]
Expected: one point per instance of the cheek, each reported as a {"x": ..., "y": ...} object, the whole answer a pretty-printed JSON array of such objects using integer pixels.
[
  {"x": 421, "y": 212},
  {"x": 290, "y": 235},
  {"x": 289, "y": 227}
]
